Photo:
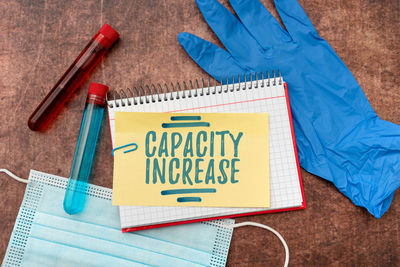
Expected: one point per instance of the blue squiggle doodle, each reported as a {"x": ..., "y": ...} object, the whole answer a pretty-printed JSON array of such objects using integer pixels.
[{"x": 131, "y": 144}]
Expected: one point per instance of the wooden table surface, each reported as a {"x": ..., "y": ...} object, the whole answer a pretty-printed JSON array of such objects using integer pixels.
[{"x": 40, "y": 39}]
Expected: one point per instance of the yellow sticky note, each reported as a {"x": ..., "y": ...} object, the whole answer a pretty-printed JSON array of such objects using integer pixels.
[{"x": 192, "y": 159}]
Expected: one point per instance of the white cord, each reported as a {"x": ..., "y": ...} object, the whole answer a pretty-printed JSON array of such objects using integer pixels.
[
  {"x": 14, "y": 176},
  {"x": 236, "y": 225}
]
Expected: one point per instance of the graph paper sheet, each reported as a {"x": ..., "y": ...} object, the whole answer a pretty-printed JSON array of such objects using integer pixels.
[{"x": 286, "y": 191}]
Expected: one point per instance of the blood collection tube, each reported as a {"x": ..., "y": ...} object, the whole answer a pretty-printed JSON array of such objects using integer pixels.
[
  {"x": 75, "y": 194},
  {"x": 72, "y": 78}
]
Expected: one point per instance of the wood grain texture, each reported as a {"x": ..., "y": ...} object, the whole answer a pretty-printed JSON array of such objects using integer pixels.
[{"x": 39, "y": 39}]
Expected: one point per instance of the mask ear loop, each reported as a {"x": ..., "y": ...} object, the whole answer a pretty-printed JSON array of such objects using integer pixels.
[
  {"x": 236, "y": 225},
  {"x": 14, "y": 176}
]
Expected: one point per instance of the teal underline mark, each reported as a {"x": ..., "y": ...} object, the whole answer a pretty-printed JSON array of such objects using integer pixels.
[
  {"x": 188, "y": 199},
  {"x": 188, "y": 191},
  {"x": 130, "y": 150},
  {"x": 185, "y": 118},
  {"x": 185, "y": 124}
]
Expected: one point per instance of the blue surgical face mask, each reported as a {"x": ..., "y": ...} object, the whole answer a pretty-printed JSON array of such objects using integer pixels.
[{"x": 44, "y": 235}]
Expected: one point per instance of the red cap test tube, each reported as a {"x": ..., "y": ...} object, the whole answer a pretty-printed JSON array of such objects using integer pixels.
[
  {"x": 72, "y": 78},
  {"x": 75, "y": 193}
]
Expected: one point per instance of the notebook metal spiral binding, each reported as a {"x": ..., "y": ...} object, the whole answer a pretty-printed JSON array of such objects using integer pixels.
[{"x": 147, "y": 94}]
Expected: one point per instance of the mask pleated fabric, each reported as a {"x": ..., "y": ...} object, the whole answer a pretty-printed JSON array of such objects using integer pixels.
[{"x": 44, "y": 235}]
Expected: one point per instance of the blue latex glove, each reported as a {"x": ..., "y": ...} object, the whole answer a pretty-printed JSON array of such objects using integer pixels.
[{"x": 339, "y": 136}]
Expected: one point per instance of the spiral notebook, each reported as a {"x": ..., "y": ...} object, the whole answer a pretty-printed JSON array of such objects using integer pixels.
[{"x": 252, "y": 96}]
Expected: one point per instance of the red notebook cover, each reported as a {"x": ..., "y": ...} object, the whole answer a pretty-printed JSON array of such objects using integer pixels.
[{"x": 302, "y": 206}]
